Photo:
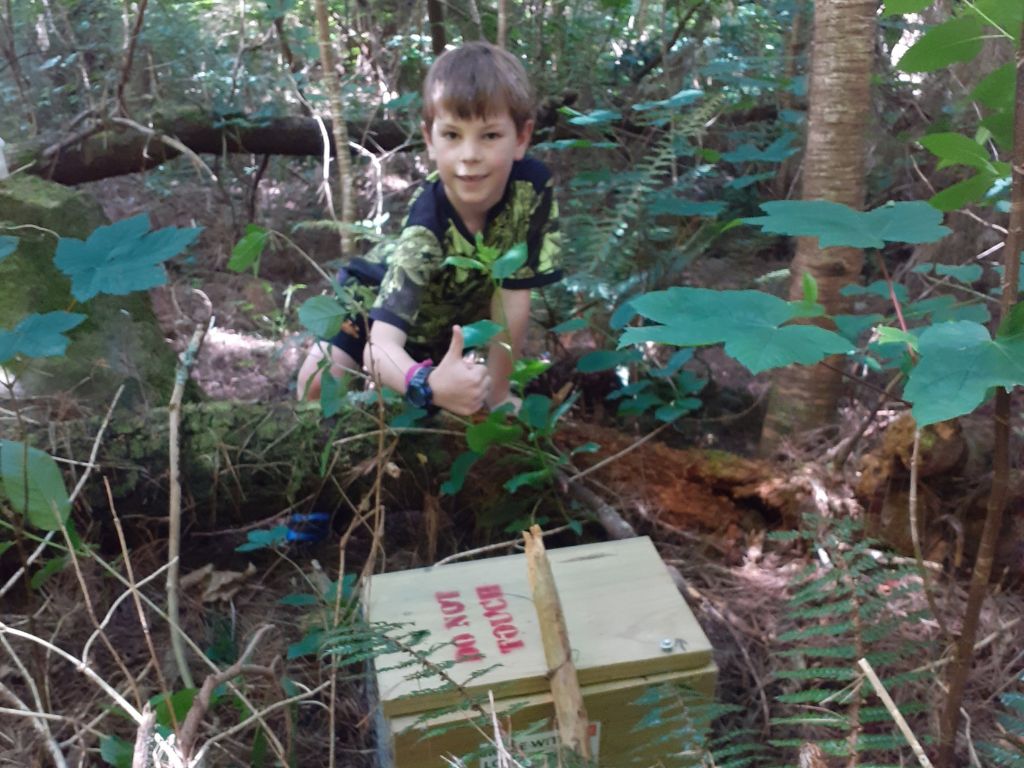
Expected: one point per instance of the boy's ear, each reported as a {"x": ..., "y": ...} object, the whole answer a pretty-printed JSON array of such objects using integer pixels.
[
  {"x": 426, "y": 138},
  {"x": 523, "y": 139}
]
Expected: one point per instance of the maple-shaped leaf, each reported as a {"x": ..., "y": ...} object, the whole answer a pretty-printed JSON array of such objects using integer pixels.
[
  {"x": 38, "y": 335},
  {"x": 835, "y": 224},
  {"x": 751, "y": 324},
  {"x": 120, "y": 258},
  {"x": 960, "y": 364}
]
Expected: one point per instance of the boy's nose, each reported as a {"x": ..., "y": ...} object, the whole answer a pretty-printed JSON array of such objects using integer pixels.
[{"x": 470, "y": 152}]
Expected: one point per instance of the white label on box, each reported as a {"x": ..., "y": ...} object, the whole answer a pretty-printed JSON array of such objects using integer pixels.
[{"x": 538, "y": 750}]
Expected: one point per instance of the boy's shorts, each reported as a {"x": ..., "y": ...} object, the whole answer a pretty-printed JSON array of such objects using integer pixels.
[{"x": 355, "y": 329}]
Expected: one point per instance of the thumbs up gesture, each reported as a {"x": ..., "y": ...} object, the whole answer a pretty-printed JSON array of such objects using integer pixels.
[{"x": 460, "y": 384}]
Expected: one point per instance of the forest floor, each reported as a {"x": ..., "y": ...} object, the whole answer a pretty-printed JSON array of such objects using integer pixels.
[{"x": 737, "y": 581}]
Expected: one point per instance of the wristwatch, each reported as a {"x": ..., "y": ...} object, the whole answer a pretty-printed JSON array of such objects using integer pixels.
[{"x": 418, "y": 391}]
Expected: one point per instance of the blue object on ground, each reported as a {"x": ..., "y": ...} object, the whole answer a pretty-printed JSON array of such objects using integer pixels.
[{"x": 308, "y": 527}]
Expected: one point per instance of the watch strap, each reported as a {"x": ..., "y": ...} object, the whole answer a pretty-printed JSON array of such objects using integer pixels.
[{"x": 416, "y": 367}]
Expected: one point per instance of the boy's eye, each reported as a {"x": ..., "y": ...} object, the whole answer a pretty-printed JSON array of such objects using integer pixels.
[
  {"x": 449, "y": 135},
  {"x": 492, "y": 135}
]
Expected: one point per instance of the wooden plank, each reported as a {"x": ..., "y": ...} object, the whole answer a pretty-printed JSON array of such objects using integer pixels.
[{"x": 570, "y": 712}]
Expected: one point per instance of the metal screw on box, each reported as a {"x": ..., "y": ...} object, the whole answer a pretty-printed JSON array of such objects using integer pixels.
[{"x": 668, "y": 644}]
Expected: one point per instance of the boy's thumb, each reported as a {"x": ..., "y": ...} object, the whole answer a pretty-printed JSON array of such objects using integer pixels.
[{"x": 455, "y": 348}]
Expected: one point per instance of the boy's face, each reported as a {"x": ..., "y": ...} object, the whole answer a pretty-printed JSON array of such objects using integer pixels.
[{"x": 474, "y": 158}]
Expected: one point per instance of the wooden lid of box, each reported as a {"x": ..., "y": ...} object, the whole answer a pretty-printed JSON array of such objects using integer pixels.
[{"x": 624, "y": 615}]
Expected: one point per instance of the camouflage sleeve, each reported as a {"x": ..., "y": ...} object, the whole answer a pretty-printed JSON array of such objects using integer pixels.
[
  {"x": 411, "y": 266},
  {"x": 543, "y": 245}
]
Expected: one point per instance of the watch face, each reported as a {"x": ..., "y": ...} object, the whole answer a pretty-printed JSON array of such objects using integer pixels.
[{"x": 418, "y": 392}]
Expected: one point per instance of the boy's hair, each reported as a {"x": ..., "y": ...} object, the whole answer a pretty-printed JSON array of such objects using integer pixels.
[{"x": 477, "y": 80}]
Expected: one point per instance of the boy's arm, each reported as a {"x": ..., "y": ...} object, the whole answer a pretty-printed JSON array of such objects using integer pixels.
[
  {"x": 459, "y": 384},
  {"x": 510, "y": 308}
]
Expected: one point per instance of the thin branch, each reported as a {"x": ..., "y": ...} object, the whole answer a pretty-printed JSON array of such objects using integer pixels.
[
  {"x": 129, "y": 53},
  {"x": 174, "y": 535},
  {"x": 895, "y": 713},
  {"x": 38, "y": 722}
]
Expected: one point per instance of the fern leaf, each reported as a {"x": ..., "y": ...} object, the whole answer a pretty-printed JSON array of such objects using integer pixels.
[
  {"x": 840, "y": 674},
  {"x": 824, "y": 630},
  {"x": 826, "y": 652}
]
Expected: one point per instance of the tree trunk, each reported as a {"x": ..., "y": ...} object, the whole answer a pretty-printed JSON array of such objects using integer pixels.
[
  {"x": 338, "y": 125},
  {"x": 834, "y": 162},
  {"x": 435, "y": 15},
  {"x": 117, "y": 151}
]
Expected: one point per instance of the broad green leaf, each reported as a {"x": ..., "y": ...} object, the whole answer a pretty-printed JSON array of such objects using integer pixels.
[
  {"x": 536, "y": 477},
  {"x": 572, "y": 324},
  {"x": 956, "y": 40},
  {"x": 606, "y": 360},
  {"x": 179, "y": 702},
  {"x": 51, "y": 567},
  {"x": 597, "y": 117},
  {"x": 1001, "y": 126},
  {"x": 249, "y": 249},
  {"x": 960, "y": 363},
  {"x": 677, "y": 361},
  {"x": 275, "y": 537},
  {"x": 510, "y": 261},
  {"x": 957, "y": 149},
  {"x": 669, "y": 204},
  {"x": 749, "y": 323},
  {"x": 465, "y": 263},
  {"x": 996, "y": 89},
  {"x": 460, "y": 467},
  {"x": 116, "y": 751},
  {"x": 120, "y": 258},
  {"x": 808, "y": 306},
  {"x": 878, "y": 288},
  {"x": 299, "y": 600},
  {"x": 852, "y": 326},
  {"x": 965, "y": 273},
  {"x": 742, "y": 182},
  {"x": 39, "y": 335},
  {"x": 621, "y": 316},
  {"x": 479, "y": 333},
  {"x": 8, "y": 245},
  {"x": 971, "y": 190},
  {"x": 681, "y": 99},
  {"x": 322, "y": 315},
  {"x": 307, "y": 646},
  {"x": 526, "y": 370},
  {"x": 677, "y": 408},
  {"x": 48, "y": 505},
  {"x": 480, "y": 437},
  {"x": 893, "y": 7},
  {"x": 586, "y": 448},
  {"x": 775, "y": 152},
  {"x": 888, "y": 335},
  {"x": 535, "y": 411},
  {"x": 332, "y": 391},
  {"x": 835, "y": 224},
  {"x": 1006, "y": 15}
]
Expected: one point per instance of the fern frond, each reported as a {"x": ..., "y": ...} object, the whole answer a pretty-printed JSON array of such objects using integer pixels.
[
  {"x": 823, "y": 630},
  {"x": 839, "y": 674},
  {"x": 825, "y": 652},
  {"x": 842, "y": 607}
]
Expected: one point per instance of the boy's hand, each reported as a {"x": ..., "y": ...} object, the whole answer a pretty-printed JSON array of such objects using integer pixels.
[{"x": 460, "y": 384}]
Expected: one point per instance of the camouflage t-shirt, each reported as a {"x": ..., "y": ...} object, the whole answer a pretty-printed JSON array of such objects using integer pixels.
[{"x": 424, "y": 297}]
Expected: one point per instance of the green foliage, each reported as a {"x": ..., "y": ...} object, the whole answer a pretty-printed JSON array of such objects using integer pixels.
[
  {"x": 751, "y": 324},
  {"x": 323, "y": 316},
  {"x": 1009, "y": 751},
  {"x": 39, "y": 335},
  {"x": 835, "y": 224},
  {"x": 247, "y": 251},
  {"x": 120, "y": 258},
  {"x": 960, "y": 364},
  {"x": 34, "y": 485}
]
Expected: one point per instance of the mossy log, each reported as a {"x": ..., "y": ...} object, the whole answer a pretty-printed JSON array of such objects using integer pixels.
[{"x": 239, "y": 461}]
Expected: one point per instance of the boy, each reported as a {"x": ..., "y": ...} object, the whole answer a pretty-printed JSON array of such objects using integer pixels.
[{"x": 477, "y": 122}]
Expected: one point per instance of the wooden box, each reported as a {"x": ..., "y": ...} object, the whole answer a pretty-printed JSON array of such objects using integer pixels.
[{"x": 628, "y": 625}]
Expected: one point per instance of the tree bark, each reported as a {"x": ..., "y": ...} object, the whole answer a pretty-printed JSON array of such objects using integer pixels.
[
  {"x": 435, "y": 15},
  {"x": 118, "y": 151},
  {"x": 338, "y": 126},
  {"x": 834, "y": 169}
]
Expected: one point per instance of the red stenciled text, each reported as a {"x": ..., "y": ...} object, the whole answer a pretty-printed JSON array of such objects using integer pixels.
[
  {"x": 503, "y": 627},
  {"x": 454, "y": 612}
]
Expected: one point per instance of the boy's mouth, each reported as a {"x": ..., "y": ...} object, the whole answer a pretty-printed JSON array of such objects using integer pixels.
[{"x": 473, "y": 178}]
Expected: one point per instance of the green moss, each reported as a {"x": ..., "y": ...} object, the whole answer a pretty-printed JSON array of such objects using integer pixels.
[{"x": 120, "y": 342}]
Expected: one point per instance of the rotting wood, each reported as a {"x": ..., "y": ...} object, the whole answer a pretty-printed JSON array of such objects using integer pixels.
[{"x": 570, "y": 712}]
